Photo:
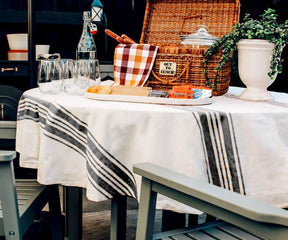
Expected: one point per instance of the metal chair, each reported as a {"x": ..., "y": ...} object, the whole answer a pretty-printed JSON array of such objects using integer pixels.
[
  {"x": 241, "y": 217},
  {"x": 22, "y": 200}
]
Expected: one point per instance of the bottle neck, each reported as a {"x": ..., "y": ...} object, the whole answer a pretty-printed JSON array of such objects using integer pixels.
[{"x": 86, "y": 28}]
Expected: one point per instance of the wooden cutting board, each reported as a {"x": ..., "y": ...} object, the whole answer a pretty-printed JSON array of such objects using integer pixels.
[{"x": 131, "y": 91}]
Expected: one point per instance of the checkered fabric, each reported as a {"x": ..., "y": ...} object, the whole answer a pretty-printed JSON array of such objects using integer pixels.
[{"x": 133, "y": 63}]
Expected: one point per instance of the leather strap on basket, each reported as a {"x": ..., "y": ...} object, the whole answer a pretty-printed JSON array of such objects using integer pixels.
[
  {"x": 166, "y": 82},
  {"x": 192, "y": 16}
]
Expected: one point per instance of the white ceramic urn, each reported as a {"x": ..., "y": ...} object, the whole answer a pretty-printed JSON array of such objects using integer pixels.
[{"x": 254, "y": 64}]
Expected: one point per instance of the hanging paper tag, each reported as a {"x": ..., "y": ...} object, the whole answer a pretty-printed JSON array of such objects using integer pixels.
[{"x": 94, "y": 28}]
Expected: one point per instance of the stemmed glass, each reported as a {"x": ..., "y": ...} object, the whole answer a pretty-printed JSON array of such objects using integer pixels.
[
  {"x": 87, "y": 74},
  {"x": 69, "y": 75},
  {"x": 82, "y": 75},
  {"x": 49, "y": 78},
  {"x": 94, "y": 72}
]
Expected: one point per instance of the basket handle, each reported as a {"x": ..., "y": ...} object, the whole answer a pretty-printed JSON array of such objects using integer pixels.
[
  {"x": 192, "y": 16},
  {"x": 166, "y": 82}
]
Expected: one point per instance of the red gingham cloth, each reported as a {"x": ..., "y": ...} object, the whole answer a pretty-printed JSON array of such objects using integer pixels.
[{"x": 133, "y": 63}]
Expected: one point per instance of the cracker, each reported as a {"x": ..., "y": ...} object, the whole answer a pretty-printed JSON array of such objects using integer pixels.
[{"x": 100, "y": 89}]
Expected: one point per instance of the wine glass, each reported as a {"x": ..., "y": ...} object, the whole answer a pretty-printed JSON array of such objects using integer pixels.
[
  {"x": 82, "y": 75},
  {"x": 94, "y": 72},
  {"x": 69, "y": 74},
  {"x": 49, "y": 78}
]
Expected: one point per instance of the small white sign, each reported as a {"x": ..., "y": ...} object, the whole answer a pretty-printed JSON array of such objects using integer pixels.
[{"x": 167, "y": 68}]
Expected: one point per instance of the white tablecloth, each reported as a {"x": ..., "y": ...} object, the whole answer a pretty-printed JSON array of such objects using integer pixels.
[{"x": 74, "y": 141}]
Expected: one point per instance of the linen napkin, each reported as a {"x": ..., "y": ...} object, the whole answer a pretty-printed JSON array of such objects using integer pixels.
[{"x": 133, "y": 63}]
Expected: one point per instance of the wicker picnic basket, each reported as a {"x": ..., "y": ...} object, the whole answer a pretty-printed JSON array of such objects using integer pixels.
[{"x": 166, "y": 20}]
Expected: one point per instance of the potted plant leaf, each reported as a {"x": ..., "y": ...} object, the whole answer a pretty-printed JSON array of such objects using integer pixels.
[{"x": 260, "y": 44}]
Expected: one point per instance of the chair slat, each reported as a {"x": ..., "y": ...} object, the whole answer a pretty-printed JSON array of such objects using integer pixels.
[
  {"x": 24, "y": 182},
  {"x": 198, "y": 235},
  {"x": 24, "y": 195},
  {"x": 217, "y": 233},
  {"x": 27, "y": 190},
  {"x": 181, "y": 237},
  {"x": 237, "y": 232}
]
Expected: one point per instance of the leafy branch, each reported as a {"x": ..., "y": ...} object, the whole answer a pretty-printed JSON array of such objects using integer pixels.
[{"x": 266, "y": 28}]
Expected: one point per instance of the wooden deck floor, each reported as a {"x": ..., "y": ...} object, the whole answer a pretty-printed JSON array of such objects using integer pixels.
[{"x": 96, "y": 220}]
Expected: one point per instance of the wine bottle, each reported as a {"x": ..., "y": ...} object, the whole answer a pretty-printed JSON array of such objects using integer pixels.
[{"x": 86, "y": 48}]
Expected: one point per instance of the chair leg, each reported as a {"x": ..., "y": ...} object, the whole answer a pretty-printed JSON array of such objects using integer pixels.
[
  {"x": 55, "y": 212},
  {"x": 9, "y": 202},
  {"x": 146, "y": 212}
]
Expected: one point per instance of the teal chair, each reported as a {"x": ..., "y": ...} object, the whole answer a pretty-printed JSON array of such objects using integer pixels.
[
  {"x": 241, "y": 217},
  {"x": 22, "y": 200}
]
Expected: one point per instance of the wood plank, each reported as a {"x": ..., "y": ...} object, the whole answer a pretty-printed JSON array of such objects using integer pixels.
[
  {"x": 23, "y": 196},
  {"x": 186, "y": 230},
  {"x": 24, "y": 190},
  {"x": 237, "y": 232},
  {"x": 181, "y": 237},
  {"x": 198, "y": 235},
  {"x": 217, "y": 233}
]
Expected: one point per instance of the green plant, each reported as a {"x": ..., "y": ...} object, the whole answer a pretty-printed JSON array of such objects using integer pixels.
[{"x": 266, "y": 28}]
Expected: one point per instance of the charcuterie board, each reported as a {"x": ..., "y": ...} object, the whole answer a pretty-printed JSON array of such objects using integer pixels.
[{"x": 148, "y": 100}]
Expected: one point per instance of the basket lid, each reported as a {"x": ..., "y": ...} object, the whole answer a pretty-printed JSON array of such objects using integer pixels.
[{"x": 166, "y": 20}]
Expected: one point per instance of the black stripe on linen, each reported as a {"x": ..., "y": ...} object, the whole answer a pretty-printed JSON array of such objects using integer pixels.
[
  {"x": 101, "y": 157},
  {"x": 229, "y": 139},
  {"x": 23, "y": 114},
  {"x": 102, "y": 183},
  {"x": 67, "y": 132},
  {"x": 111, "y": 178},
  {"x": 229, "y": 152},
  {"x": 49, "y": 126},
  {"x": 65, "y": 137},
  {"x": 24, "y": 111},
  {"x": 64, "y": 116},
  {"x": 108, "y": 163},
  {"x": 49, "y": 108},
  {"x": 61, "y": 141},
  {"x": 72, "y": 119},
  {"x": 204, "y": 149},
  {"x": 28, "y": 118},
  {"x": 209, "y": 149},
  {"x": 99, "y": 190},
  {"x": 237, "y": 153},
  {"x": 93, "y": 139},
  {"x": 220, "y": 146}
]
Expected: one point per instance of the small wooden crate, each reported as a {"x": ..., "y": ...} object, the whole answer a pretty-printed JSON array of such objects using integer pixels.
[{"x": 166, "y": 20}]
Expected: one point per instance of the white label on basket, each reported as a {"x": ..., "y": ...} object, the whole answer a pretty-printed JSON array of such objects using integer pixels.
[{"x": 167, "y": 68}]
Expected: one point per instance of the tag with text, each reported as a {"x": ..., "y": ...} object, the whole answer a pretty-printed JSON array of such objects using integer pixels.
[{"x": 167, "y": 68}]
